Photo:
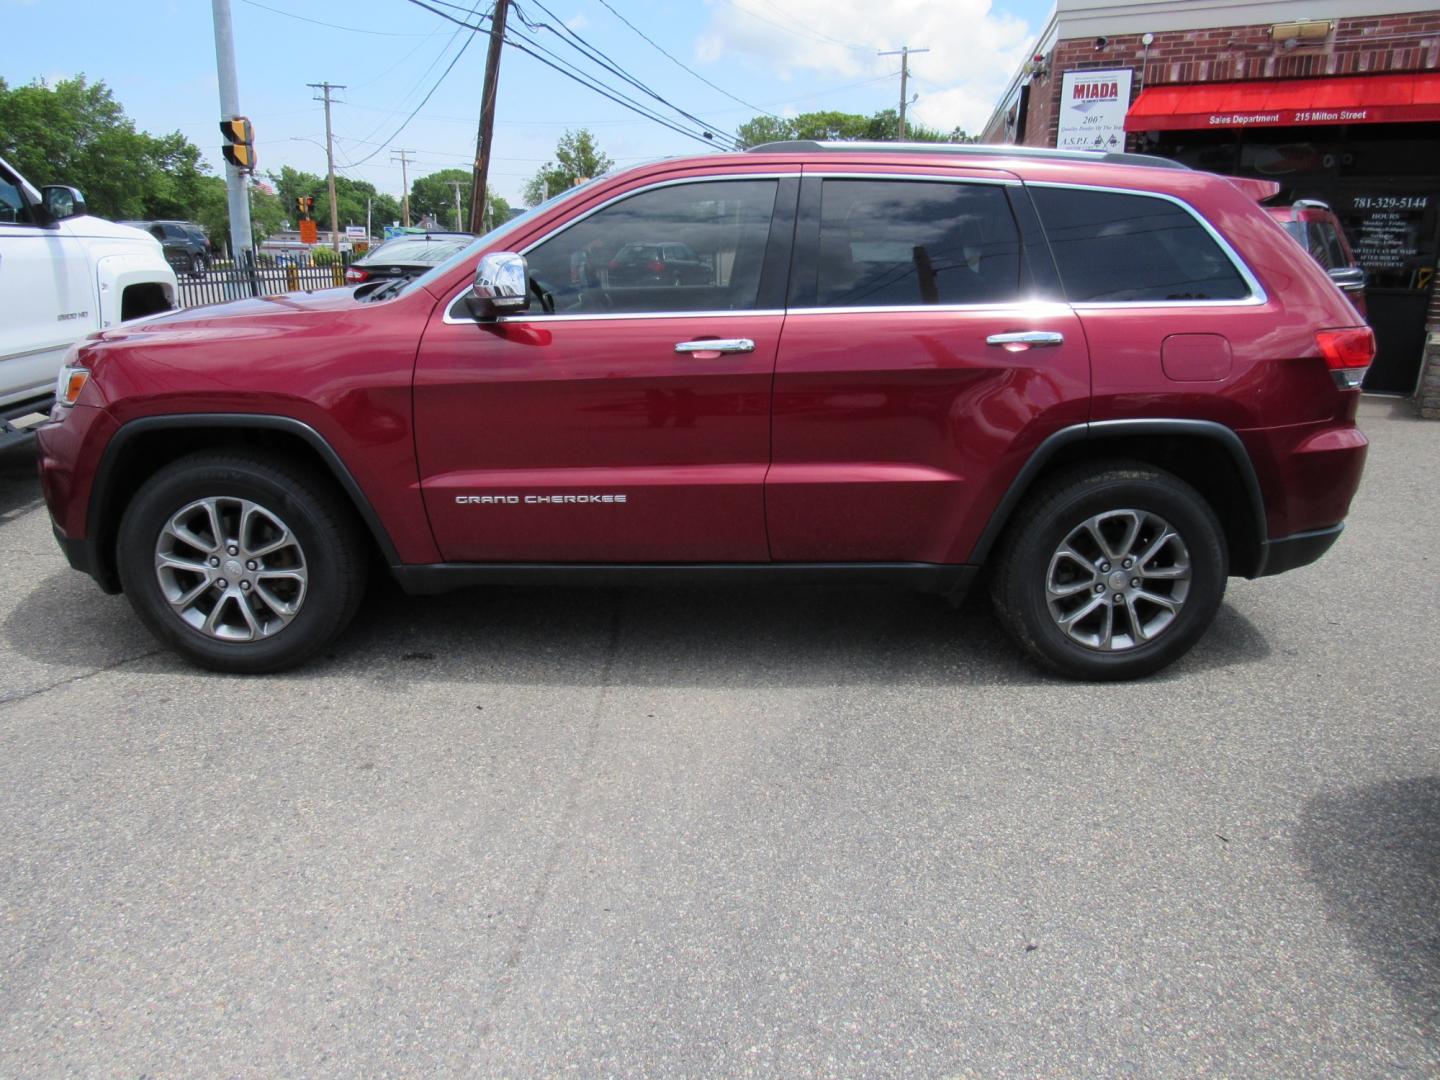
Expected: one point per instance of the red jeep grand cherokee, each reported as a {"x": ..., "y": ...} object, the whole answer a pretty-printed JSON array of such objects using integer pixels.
[{"x": 1106, "y": 381}]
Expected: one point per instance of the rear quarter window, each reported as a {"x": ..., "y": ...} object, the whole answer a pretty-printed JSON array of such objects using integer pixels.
[{"x": 1121, "y": 248}]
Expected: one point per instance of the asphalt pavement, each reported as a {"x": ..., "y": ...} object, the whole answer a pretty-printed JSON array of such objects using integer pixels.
[{"x": 701, "y": 833}]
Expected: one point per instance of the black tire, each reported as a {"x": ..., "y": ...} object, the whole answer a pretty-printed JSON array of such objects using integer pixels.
[
  {"x": 1051, "y": 514},
  {"x": 316, "y": 515},
  {"x": 199, "y": 266}
]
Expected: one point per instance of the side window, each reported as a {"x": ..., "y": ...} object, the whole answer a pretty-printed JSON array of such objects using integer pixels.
[
  {"x": 1325, "y": 245},
  {"x": 687, "y": 247},
  {"x": 1115, "y": 248},
  {"x": 13, "y": 209},
  {"x": 175, "y": 232},
  {"x": 906, "y": 242}
]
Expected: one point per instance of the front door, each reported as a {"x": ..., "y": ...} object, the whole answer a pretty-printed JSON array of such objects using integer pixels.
[
  {"x": 47, "y": 292},
  {"x": 629, "y": 420}
]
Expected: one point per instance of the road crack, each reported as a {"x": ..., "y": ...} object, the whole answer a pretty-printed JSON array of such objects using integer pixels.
[{"x": 26, "y": 695}]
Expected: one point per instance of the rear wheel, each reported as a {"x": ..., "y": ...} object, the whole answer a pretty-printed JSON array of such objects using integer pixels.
[
  {"x": 1111, "y": 571},
  {"x": 240, "y": 561}
]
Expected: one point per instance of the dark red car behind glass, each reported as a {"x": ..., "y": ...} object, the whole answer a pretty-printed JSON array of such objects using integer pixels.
[{"x": 1104, "y": 380}]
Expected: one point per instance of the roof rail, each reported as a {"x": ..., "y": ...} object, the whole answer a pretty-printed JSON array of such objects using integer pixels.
[{"x": 810, "y": 146}]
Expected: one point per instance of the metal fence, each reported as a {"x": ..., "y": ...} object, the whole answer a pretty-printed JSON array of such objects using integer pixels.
[{"x": 218, "y": 284}]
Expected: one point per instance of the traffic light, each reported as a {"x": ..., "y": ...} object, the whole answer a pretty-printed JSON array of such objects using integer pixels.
[
  {"x": 239, "y": 148},
  {"x": 305, "y": 204}
]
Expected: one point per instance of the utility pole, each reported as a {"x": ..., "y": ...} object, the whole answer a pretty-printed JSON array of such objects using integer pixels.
[
  {"x": 403, "y": 156},
  {"x": 904, "y": 52},
  {"x": 457, "y": 185},
  {"x": 325, "y": 88},
  {"x": 487, "y": 115},
  {"x": 237, "y": 184}
]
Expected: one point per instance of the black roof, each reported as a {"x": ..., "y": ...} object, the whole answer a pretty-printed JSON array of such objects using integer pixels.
[{"x": 809, "y": 146}]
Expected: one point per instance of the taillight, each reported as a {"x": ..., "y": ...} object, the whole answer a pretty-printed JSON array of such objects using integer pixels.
[
  {"x": 1348, "y": 353},
  {"x": 355, "y": 275},
  {"x": 655, "y": 266}
]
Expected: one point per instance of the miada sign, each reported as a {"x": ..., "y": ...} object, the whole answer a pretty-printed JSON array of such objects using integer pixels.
[{"x": 1092, "y": 110}]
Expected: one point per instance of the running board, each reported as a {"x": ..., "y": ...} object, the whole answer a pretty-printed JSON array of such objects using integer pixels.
[{"x": 948, "y": 580}]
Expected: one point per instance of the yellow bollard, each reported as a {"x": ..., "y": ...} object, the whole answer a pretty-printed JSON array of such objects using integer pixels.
[{"x": 292, "y": 279}]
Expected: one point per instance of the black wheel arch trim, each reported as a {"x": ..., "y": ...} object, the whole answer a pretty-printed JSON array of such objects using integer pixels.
[
  {"x": 102, "y": 569},
  {"x": 1095, "y": 429}
]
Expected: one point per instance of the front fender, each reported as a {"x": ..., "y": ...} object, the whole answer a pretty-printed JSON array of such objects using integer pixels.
[{"x": 118, "y": 272}]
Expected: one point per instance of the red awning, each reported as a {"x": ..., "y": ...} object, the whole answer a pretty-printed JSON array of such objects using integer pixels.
[{"x": 1360, "y": 99}]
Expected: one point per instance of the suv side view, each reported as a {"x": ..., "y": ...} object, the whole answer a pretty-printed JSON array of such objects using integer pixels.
[
  {"x": 187, "y": 248},
  {"x": 1100, "y": 384}
]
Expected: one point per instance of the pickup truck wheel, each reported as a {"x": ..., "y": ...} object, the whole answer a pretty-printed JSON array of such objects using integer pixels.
[
  {"x": 1111, "y": 572},
  {"x": 240, "y": 561}
]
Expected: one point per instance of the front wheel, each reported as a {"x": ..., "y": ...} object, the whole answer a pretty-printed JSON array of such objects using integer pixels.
[
  {"x": 199, "y": 266},
  {"x": 1111, "y": 571},
  {"x": 241, "y": 561}
]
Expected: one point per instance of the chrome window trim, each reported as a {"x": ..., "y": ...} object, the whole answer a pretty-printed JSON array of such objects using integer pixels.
[
  {"x": 672, "y": 182},
  {"x": 1036, "y": 308},
  {"x": 1257, "y": 296},
  {"x": 946, "y": 178},
  {"x": 609, "y": 316}
]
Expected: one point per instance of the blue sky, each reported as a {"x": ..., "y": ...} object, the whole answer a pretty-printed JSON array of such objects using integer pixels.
[{"x": 785, "y": 56}]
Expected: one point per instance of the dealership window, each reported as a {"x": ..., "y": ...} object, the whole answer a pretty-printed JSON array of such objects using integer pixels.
[
  {"x": 908, "y": 242},
  {"x": 1128, "y": 248}
]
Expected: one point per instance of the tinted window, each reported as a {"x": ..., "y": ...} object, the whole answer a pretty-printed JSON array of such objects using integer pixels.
[
  {"x": 612, "y": 261},
  {"x": 1325, "y": 245},
  {"x": 13, "y": 210},
  {"x": 427, "y": 252},
  {"x": 903, "y": 242},
  {"x": 1113, "y": 247}
]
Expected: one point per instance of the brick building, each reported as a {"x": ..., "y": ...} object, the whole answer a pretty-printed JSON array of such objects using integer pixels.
[{"x": 1338, "y": 100}]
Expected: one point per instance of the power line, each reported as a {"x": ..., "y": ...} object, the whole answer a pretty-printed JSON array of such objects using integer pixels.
[
  {"x": 589, "y": 82},
  {"x": 425, "y": 100},
  {"x": 598, "y": 56},
  {"x": 419, "y": 82},
  {"x": 330, "y": 25},
  {"x": 813, "y": 35},
  {"x": 681, "y": 64}
]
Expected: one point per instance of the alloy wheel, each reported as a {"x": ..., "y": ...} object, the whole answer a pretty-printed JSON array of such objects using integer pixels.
[
  {"x": 1118, "y": 580},
  {"x": 231, "y": 569}
]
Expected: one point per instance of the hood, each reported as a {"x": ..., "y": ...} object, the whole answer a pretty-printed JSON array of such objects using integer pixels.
[
  {"x": 99, "y": 229},
  {"x": 235, "y": 317}
]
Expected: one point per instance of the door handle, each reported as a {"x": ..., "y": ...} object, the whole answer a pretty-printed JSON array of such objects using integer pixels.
[
  {"x": 716, "y": 345},
  {"x": 1020, "y": 340}
]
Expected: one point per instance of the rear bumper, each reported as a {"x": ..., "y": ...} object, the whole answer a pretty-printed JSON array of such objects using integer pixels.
[{"x": 1296, "y": 550}]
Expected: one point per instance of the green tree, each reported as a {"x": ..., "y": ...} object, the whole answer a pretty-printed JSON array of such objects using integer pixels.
[
  {"x": 351, "y": 197},
  {"x": 434, "y": 195},
  {"x": 75, "y": 132},
  {"x": 576, "y": 158},
  {"x": 883, "y": 126}
]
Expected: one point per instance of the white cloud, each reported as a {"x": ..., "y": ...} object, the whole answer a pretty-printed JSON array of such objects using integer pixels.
[
  {"x": 973, "y": 50},
  {"x": 577, "y": 22}
]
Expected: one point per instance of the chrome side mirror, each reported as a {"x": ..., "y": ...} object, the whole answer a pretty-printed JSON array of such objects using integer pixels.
[
  {"x": 502, "y": 285},
  {"x": 1349, "y": 278}
]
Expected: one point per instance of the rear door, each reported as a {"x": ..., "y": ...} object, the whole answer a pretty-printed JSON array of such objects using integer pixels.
[
  {"x": 630, "y": 422},
  {"x": 924, "y": 356}
]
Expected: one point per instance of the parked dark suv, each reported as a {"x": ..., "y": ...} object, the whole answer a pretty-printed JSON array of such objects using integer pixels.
[
  {"x": 1100, "y": 384},
  {"x": 187, "y": 248}
]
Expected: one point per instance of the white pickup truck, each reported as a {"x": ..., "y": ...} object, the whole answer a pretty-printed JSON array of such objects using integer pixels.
[{"x": 63, "y": 274}]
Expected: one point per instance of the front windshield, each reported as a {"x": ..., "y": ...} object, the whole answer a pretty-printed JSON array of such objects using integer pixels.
[{"x": 490, "y": 238}]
